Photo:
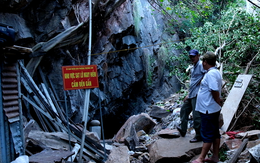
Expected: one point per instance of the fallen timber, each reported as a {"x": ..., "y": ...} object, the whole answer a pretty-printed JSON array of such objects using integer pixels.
[{"x": 50, "y": 117}]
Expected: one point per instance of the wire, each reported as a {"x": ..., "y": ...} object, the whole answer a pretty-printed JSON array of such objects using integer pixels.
[{"x": 254, "y": 3}]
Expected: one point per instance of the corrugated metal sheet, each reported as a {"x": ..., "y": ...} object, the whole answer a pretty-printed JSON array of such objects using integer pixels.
[
  {"x": 10, "y": 90},
  {"x": 12, "y": 143}
]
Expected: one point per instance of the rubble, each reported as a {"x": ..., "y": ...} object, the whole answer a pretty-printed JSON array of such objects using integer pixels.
[
  {"x": 174, "y": 150},
  {"x": 53, "y": 156},
  {"x": 119, "y": 155},
  {"x": 139, "y": 122},
  {"x": 158, "y": 113},
  {"x": 143, "y": 139},
  {"x": 147, "y": 137}
]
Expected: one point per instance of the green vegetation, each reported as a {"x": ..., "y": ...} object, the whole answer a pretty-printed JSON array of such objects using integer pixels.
[
  {"x": 223, "y": 154},
  {"x": 150, "y": 61},
  {"x": 138, "y": 15}
]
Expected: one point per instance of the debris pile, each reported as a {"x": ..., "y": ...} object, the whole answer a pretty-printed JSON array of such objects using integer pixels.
[
  {"x": 144, "y": 138},
  {"x": 50, "y": 136},
  {"x": 164, "y": 144}
]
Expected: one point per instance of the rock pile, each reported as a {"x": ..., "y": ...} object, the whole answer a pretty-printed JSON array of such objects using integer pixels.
[{"x": 149, "y": 137}]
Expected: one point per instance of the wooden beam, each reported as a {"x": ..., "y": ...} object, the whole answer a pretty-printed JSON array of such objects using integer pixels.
[
  {"x": 238, "y": 151},
  {"x": 233, "y": 100}
]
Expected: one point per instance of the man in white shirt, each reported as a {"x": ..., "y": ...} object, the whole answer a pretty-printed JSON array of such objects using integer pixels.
[{"x": 209, "y": 105}]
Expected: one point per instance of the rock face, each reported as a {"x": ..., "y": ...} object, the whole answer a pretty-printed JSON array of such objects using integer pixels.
[{"x": 127, "y": 47}]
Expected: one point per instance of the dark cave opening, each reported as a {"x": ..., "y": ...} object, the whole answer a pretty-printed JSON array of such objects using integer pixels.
[{"x": 134, "y": 103}]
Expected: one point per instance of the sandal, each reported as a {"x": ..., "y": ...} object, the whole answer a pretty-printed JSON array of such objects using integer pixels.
[{"x": 209, "y": 160}]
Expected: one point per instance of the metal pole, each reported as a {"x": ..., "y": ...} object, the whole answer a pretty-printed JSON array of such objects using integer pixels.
[
  {"x": 87, "y": 92},
  {"x": 102, "y": 127},
  {"x": 20, "y": 108},
  {"x": 67, "y": 118}
]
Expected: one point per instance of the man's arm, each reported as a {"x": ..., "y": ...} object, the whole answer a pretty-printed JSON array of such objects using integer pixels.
[
  {"x": 215, "y": 95},
  {"x": 186, "y": 97}
]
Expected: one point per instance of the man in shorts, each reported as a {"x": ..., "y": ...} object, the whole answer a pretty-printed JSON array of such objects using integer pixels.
[{"x": 209, "y": 105}]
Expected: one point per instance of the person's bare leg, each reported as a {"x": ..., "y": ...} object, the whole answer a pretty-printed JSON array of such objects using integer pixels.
[
  {"x": 215, "y": 156},
  {"x": 204, "y": 152}
]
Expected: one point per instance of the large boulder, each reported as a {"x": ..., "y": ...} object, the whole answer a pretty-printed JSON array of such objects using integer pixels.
[
  {"x": 158, "y": 112},
  {"x": 119, "y": 155},
  {"x": 174, "y": 150},
  {"x": 139, "y": 122}
]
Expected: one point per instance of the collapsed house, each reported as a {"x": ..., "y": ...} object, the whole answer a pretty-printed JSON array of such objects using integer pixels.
[{"x": 20, "y": 95}]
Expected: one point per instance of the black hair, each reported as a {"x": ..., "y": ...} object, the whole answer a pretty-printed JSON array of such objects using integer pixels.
[{"x": 210, "y": 57}]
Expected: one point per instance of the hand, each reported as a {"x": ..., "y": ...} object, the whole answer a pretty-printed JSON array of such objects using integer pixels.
[
  {"x": 185, "y": 98},
  {"x": 221, "y": 102}
]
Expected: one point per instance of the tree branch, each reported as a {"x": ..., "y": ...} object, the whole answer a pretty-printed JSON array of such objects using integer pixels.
[{"x": 249, "y": 63}]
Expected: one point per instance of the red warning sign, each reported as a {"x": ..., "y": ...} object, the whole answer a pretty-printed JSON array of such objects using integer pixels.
[{"x": 80, "y": 77}]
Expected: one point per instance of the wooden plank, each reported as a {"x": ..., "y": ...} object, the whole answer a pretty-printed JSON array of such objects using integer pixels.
[
  {"x": 40, "y": 49},
  {"x": 62, "y": 117},
  {"x": 233, "y": 100},
  {"x": 249, "y": 133},
  {"x": 50, "y": 103},
  {"x": 49, "y": 156},
  {"x": 238, "y": 151},
  {"x": 75, "y": 150},
  {"x": 19, "y": 49}
]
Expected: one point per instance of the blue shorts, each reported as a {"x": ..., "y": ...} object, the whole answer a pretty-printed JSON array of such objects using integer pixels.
[{"x": 209, "y": 127}]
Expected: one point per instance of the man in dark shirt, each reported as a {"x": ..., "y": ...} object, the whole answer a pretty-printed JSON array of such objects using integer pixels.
[{"x": 197, "y": 73}]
